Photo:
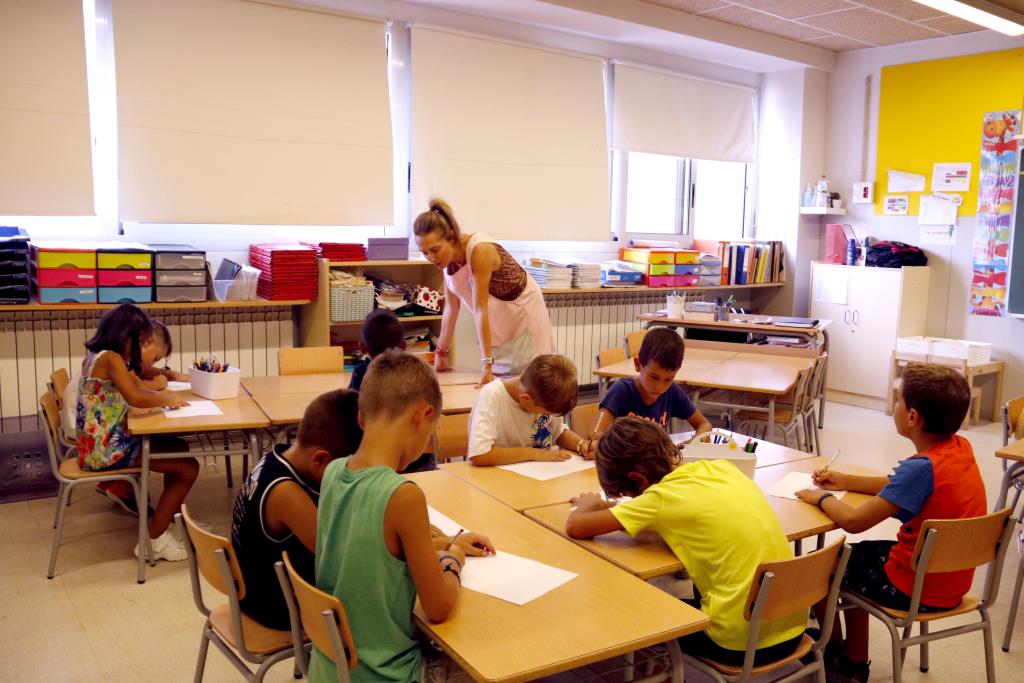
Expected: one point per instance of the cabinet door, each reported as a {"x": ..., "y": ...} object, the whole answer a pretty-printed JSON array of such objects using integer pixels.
[
  {"x": 874, "y": 303},
  {"x": 829, "y": 296}
]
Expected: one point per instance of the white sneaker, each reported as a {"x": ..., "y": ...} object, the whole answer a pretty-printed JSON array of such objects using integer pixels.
[
  {"x": 205, "y": 526},
  {"x": 166, "y": 547}
]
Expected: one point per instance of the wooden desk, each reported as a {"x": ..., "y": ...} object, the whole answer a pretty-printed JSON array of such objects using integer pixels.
[
  {"x": 602, "y": 613},
  {"x": 240, "y": 414},
  {"x": 992, "y": 367},
  {"x": 1013, "y": 454},
  {"x": 323, "y": 382}
]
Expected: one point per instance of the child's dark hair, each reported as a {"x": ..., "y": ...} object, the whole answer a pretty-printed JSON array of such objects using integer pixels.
[
  {"x": 395, "y": 381},
  {"x": 633, "y": 445},
  {"x": 163, "y": 335},
  {"x": 551, "y": 380},
  {"x": 381, "y": 331},
  {"x": 123, "y": 327},
  {"x": 940, "y": 395},
  {"x": 331, "y": 422},
  {"x": 663, "y": 346}
]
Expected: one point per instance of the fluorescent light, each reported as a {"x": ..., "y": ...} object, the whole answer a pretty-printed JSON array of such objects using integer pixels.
[{"x": 982, "y": 13}]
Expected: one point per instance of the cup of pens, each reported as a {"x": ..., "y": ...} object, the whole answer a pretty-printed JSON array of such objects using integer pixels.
[
  {"x": 674, "y": 304},
  {"x": 722, "y": 445},
  {"x": 213, "y": 379}
]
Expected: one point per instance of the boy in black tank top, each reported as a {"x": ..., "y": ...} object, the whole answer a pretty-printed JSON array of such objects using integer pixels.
[{"x": 275, "y": 509}]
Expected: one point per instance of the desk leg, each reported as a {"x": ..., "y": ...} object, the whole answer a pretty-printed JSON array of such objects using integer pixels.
[
  {"x": 1012, "y": 471},
  {"x": 997, "y": 400},
  {"x": 821, "y": 541},
  {"x": 798, "y": 547},
  {"x": 143, "y": 506},
  {"x": 824, "y": 383},
  {"x": 771, "y": 420}
]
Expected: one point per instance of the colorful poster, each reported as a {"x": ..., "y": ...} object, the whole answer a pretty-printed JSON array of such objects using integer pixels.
[
  {"x": 997, "y": 185},
  {"x": 896, "y": 204}
]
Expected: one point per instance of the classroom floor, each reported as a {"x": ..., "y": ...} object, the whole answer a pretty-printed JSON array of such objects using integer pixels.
[{"x": 93, "y": 622}]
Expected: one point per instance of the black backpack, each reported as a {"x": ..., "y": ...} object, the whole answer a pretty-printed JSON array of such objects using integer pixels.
[{"x": 895, "y": 255}]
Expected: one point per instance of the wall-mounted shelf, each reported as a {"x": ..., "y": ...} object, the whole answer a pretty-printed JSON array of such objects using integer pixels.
[
  {"x": 821, "y": 211},
  {"x": 644, "y": 288},
  {"x": 401, "y": 319},
  {"x": 253, "y": 303}
]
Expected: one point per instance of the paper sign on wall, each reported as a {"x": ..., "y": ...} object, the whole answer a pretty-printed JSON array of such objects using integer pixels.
[
  {"x": 937, "y": 210},
  {"x": 896, "y": 204},
  {"x": 900, "y": 181},
  {"x": 951, "y": 177},
  {"x": 938, "y": 235}
]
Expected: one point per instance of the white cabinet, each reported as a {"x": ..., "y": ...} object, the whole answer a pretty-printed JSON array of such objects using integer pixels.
[{"x": 869, "y": 308}]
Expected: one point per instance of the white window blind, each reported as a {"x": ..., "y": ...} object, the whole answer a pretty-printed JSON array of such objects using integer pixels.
[
  {"x": 512, "y": 136},
  {"x": 45, "y": 148},
  {"x": 662, "y": 113},
  {"x": 240, "y": 112}
]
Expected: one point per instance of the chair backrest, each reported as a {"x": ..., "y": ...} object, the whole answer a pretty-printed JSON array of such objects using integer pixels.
[
  {"x": 60, "y": 379},
  {"x": 815, "y": 383},
  {"x": 1011, "y": 414},
  {"x": 796, "y": 584},
  {"x": 452, "y": 437},
  {"x": 582, "y": 417},
  {"x": 959, "y": 544},
  {"x": 49, "y": 413},
  {"x": 610, "y": 356},
  {"x": 801, "y": 386},
  {"x": 323, "y": 618},
  {"x": 632, "y": 341},
  {"x": 205, "y": 546},
  {"x": 310, "y": 360}
]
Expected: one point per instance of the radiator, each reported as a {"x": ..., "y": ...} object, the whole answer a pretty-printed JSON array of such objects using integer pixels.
[
  {"x": 34, "y": 344},
  {"x": 587, "y": 323}
]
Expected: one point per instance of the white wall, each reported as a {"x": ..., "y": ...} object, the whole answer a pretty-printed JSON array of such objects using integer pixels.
[{"x": 950, "y": 266}]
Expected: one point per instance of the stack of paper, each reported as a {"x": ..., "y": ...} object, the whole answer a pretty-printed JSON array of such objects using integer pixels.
[
  {"x": 542, "y": 471},
  {"x": 793, "y": 482},
  {"x": 549, "y": 274},
  {"x": 621, "y": 274}
]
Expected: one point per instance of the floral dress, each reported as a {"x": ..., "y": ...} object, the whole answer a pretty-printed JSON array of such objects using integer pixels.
[{"x": 102, "y": 421}]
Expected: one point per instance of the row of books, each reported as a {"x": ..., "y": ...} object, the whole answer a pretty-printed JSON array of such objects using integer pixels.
[
  {"x": 566, "y": 273},
  {"x": 748, "y": 262}
]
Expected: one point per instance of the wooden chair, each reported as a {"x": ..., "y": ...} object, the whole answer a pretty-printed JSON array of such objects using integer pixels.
[
  {"x": 632, "y": 341},
  {"x": 604, "y": 358},
  {"x": 898, "y": 361},
  {"x": 582, "y": 418},
  {"x": 310, "y": 360},
  {"x": 960, "y": 365},
  {"x": 1011, "y": 416},
  {"x": 451, "y": 439},
  {"x": 1011, "y": 617},
  {"x": 60, "y": 379},
  {"x": 788, "y": 418},
  {"x": 321, "y": 616},
  {"x": 241, "y": 638},
  {"x": 780, "y": 589},
  {"x": 946, "y": 545},
  {"x": 809, "y": 409},
  {"x": 68, "y": 474}
]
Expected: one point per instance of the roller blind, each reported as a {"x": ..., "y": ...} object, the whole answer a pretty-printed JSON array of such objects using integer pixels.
[
  {"x": 232, "y": 111},
  {"x": 45, "y": 142},
  {"x": 512, "y": 136},
  {"x": 662, "y": 113}
]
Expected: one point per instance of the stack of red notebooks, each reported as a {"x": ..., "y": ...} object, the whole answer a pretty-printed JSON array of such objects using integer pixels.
[
  {"x": 339, "y": 251},
  {"x": 287, "y": 271}
]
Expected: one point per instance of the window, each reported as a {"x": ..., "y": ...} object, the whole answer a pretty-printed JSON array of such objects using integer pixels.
[
  {"x": 655, "y": 201},
  {"x": 719, "y": 201}
]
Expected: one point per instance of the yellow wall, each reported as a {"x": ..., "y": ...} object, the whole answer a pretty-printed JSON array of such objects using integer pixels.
[{"x": 931, "y": 112}]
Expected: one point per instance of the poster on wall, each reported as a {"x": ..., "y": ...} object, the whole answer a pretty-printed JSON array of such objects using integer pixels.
[{"x": 997, "y": 184}]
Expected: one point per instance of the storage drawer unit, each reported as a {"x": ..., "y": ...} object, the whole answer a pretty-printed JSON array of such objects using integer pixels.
[
  {"x": 124, "y": 260},
  {"x": 125, "y": 278},
  {"x": 178, "y": 257},
  {"x": 120, "y": 295},
  {"x": 180, "y": 278},
  {"x": 166, "y": 295},
  {"x": 66, "y": 277},
  {"x": 67, "y": 295}
]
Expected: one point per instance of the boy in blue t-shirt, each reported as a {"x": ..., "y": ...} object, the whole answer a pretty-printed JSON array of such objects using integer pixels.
[{"x": 653, "y": 394}]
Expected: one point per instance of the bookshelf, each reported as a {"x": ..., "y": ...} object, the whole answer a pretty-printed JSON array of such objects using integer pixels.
[
  {"x": 252, "y": 303},
  {"x": 644, "y": 288}
]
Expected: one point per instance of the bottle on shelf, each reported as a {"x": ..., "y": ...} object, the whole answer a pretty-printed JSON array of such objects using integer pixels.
[
  {"x": 808, "y": 198},
  {"x": 821, "y": 192}
]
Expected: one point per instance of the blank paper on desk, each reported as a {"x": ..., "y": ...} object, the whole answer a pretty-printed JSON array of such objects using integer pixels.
[
  {"x": 179, "y": 386},
  {"x": 512, "y": 578},
  {"x": 542, "y": 471},
  {"x": 446, "y": 524},
  {"x": 194, "y": 409},
  {"x": 793, "y": 482}
]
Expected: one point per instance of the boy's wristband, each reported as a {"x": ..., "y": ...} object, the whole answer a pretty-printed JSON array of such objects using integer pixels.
[
  {"x": 452, "y": 558},
  {"x": 822, "y": 500},
  {"x": 448, "y": 568}
]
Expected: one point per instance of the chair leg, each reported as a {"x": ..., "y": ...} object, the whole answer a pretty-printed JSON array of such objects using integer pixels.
[
  {"x": 58, "y": 529},
  {"x": 814, "y": 424},
  {"x": 897, "y": 653},
  {"x": 924, "y": 648},
  {"x": 60, "y": 503},
  {"x": 990, "y": 665},
  {"x": 231, "y": 476},
  {"x": 1014, "y": 605},
  {"x": 245, "y": 466},
  {"x": 204, "y": 646}
]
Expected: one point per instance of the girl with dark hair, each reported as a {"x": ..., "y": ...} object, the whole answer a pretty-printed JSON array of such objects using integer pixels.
[{"x": 124, "y": 344}]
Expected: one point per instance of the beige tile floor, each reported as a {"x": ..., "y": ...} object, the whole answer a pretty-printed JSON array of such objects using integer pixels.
[{"x": 93, "y": 622}]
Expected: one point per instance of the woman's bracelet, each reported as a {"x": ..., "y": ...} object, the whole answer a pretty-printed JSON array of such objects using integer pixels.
[
  {"x": 452, "y": 558},
  {"x": 822, "y": 500},
  {"x": 441, "y": 352},
  {"x": 489, "y": 360}
]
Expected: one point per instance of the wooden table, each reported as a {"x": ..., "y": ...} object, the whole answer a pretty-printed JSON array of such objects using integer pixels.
[
  {"x": 328, "y": 381},
  {"x": 992, "y": 367},
  {"x": 1013, "y": 454},
  {"x": 602, "y": 613},
  {"x": 240, "y": 414}
]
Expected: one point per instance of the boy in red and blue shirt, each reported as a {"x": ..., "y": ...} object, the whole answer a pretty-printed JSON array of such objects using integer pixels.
[{"x": 941, "y": 481}]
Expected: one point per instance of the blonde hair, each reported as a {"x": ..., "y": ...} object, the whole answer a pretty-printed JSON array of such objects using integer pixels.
[
  {"x": 394, "y": 382},
  {"x": 438, "y": 219},
  {"x": 551, "y": 380}
]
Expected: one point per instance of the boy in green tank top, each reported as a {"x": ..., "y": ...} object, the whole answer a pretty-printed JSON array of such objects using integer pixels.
[{"x": 375, "y": 549}]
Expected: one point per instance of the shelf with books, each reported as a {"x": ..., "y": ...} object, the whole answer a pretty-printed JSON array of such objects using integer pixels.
[
  {"x": 747, "y": 262},
  {"x": 644, "y": 288}
]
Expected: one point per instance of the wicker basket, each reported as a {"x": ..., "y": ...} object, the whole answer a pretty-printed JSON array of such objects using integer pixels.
[{"x": 349, "y": 304}]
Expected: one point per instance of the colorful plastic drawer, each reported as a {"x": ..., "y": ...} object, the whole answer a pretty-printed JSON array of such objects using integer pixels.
[
  {"x": 661, "y": 269},
  {"x": 66, "y": 277},
  {"x": 124, "y": 260},
  {"x": 125, "y": 278},
  {"x": 180, "y": 278},
  {"x": 687, "y": 280},
  {"x": 168, "y": 295},
  {"x": 56, "y": 258},
  {"x": 661, "y": 280},
  {"x": 126, "y": 295},
  {"x": 687, "y": 256},
  {"x": 687, "y": 269},
  {"x": 67, "y": 295},
  {"x": 638, "y": 255},
  {"x": 178, "y": 257}
]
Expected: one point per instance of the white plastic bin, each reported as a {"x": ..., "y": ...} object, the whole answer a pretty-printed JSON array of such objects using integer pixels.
[
  {"x": 914, "y": 344},
  {"x": 972, "y": 352},
  {"x": 703, "y": 449},
  {"x": 215, "y": 385}
]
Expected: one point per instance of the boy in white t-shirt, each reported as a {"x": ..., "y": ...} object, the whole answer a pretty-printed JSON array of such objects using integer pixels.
[{"x": 519, "y": 419}]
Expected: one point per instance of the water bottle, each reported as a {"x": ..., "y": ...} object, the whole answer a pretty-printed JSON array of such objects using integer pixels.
[
  {"x": 821, "y": 192},
  {"x": 808, "y": 198},
  {"x": 851, "y": 252}
]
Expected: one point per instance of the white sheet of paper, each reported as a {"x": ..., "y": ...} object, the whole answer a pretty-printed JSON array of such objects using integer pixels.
[
  {"x": 942, "y": 235},
  {"x": 542, "y": 471},
  {"x": 951, "y": 177},
  {"x": 831, "y": 287},
  {"x": 936, "y": 211},
  {"x": 901, "y": 181},
  {"x": 179, "y": 386},
  {"x": 194, "y": 409},
  {"x": 793, "y": 482},
  {"x": 512, "y": 578},
  {"x": 447, "y": 525}
]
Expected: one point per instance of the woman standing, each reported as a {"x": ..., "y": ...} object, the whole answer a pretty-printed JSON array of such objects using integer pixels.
[{"x": 512, "y": 322}]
